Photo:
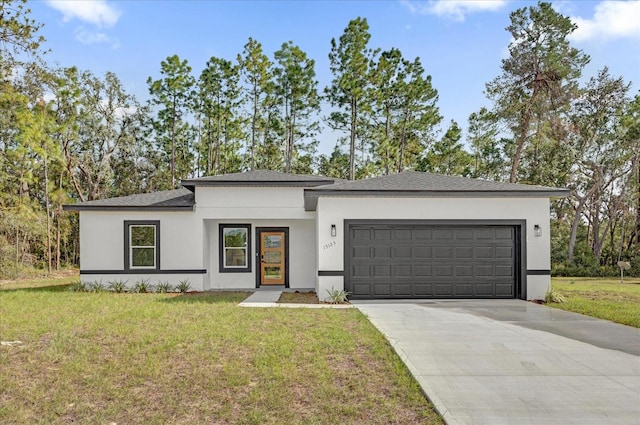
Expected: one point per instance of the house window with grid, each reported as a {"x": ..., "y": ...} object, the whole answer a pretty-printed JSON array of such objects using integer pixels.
[
  {"x": 142, "y": 245},
  {"x": 235, "y": 248}
]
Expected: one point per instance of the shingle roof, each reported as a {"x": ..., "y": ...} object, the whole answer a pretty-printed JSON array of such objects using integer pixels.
[
  {"x": 260, "y": 178},
  {"x": 166, "y": 200},
  {"x": 414, "y": 183}
]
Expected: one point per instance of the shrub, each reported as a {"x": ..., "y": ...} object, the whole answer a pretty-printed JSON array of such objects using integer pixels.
[
  {"x": 183, "y": 286},
  {"x": 118, "y": 286},
  {"x": 78, "y": 287},
  {"x": 95, "y": 286},
  {"x": 142, "y": 287},
  {"x": 553, "y": 296},
  {"x": 163, "y": 287},
  {"x": 337, "y": 296}
]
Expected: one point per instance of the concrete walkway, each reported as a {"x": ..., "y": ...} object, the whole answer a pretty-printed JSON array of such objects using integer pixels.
[
  {"x": 514, "y": 362},
  {"x": 269, "y": 298}
]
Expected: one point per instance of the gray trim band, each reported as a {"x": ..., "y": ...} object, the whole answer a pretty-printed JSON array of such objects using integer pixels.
[
  {"x": 145, "y": 271},
  {"x": 311, "y": 195},
  {"x": 330, "y": 273},
  {"x": 539, "y": 272}
]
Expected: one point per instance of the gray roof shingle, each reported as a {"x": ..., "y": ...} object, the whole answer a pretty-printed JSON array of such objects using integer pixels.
[
  {"x": 166, "y": 200},
  {"x": 260, "y": 178},
  {"x": 409, "y": 183},
  {"x": 414, "y": 183}
]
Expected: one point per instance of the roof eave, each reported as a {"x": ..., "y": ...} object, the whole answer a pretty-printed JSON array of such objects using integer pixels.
[
  {"x": 221, "y": 183},
  {"x": 79, "y": 207}
]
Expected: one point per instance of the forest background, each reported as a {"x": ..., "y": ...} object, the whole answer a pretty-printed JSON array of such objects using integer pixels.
[{"x": 67, "y": 135}]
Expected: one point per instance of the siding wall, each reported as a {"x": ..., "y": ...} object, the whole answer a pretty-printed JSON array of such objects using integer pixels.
[{"x": 336, "y": 210}]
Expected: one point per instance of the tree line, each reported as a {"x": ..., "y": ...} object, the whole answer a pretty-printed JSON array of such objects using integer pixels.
[{"x": 67, "y": 135}]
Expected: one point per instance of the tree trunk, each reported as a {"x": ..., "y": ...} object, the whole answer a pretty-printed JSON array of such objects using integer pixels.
[
  {"x": 576, "y": 221},
  {"x": 173, "y": 145},
  {"x": 48, "y": 210},
  {"x": 352, "y": 141},
  {"x": 254, "y": 127},
  {"x": 522, "y": 138},
  {"x": 638, "y": 205}
]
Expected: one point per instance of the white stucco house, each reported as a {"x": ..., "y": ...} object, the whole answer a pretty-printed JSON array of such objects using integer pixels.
[{"x": 408, "y": 235}]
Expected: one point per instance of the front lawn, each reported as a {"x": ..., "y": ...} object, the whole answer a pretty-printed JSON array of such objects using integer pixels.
[
  {"x": 185, "y": 359},
  {"x": 601, "y": 297}
]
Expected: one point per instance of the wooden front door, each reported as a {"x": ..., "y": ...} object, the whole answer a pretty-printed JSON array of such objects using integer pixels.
[{"x": 273, "y": 252}]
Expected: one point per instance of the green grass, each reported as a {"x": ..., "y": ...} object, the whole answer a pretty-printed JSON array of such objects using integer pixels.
[
  {"x": 604, "y": 298},
  {"x": 91, "y": 358}
]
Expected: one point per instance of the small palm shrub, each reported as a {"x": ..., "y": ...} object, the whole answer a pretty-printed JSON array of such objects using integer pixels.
[
  {"x": 95, "y": 286},
  {"x": 553, "y": 296},
  {"x": 143, "y": 286},
  {"x": 337, "y": 296},
  {"x": 183, "y": 286},
  {"x": 78, "y": 287},
  {"x": 118, "y": 286},
  {"x": 164, "y": 287}
]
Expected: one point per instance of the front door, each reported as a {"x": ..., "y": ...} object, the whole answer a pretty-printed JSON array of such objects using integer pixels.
[{"x": 272, "y": 256}]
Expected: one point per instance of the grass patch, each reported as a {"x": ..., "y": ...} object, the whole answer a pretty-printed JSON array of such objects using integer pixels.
[
  {"x": 605, "y": 298},
  {"x": 299, "y": 298},
  {"x": 195, "y": 358}
]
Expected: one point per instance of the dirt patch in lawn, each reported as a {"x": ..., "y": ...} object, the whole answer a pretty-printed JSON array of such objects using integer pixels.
[{"x": 298, "y": 297}]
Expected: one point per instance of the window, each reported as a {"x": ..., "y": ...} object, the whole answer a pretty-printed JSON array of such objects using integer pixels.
[
  {"x": 235, "y": 243},
  {"x": 142, "y": 245}
]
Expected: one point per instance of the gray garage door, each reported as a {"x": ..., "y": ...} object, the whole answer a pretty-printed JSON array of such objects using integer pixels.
[{"x": 431, "y": 261}]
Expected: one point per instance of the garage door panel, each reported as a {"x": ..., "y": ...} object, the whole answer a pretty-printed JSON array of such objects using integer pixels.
[
  {"x": 381, "y": 252},
  {"x": 464, "y": 252},
  {"x": 431, "y": 261},
  {"x": 361, "y": 234},
  {"x": 443, "y": 234},
  {"x": 402, "y": 234},
  {"x": 463, "y": 234},
  {"x": 504, "y": 233},
  {"x": 504, "y": 252},
  {"x": 403, "y": 289},
  {"x": 423, "y": 270},
  {"x": 402, "y": 270},
  {"x": 442, "y": 289},
  {"x": 444, "y": 270},
  {"x": 484, "y": 252},
  {"x": 463, "y": 289},
  {"x": 363, "y": 289},
  {"x": 381, "y": 289},
  {"x": 361, "y": 252},
  {"x": 484, "y": 289},
  {"x": 402, "y": 252},
  {"x": 382, "y": 271},
  {"x": 361, "y": 271},
  {"x": 443, "y": 252},
  {"x": 464, "y": 271},
  {"x": 504, "y": 289},
  {"x": 422, "y": 252},
  {"x": 504, "y": 271},
  {"x": 485, "y": 233},
  {"x": 422, "y": 234}
]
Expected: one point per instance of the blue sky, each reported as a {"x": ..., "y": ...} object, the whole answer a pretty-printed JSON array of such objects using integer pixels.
[{"x": 460, "y": 43}]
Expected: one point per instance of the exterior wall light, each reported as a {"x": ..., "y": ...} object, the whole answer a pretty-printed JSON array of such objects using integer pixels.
[
  {"x": 333, "y": 230},
  {"x": 537, "y": 230}
]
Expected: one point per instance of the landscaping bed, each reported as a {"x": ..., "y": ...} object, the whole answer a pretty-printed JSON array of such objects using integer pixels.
[{"x": 299, "y": 298}]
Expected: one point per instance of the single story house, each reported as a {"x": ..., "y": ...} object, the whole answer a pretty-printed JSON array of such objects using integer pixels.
[{"x": 408, "y": 235}]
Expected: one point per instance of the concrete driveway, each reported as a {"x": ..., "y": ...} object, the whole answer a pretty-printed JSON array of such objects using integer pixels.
[{"x": 515, "y": 362}]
